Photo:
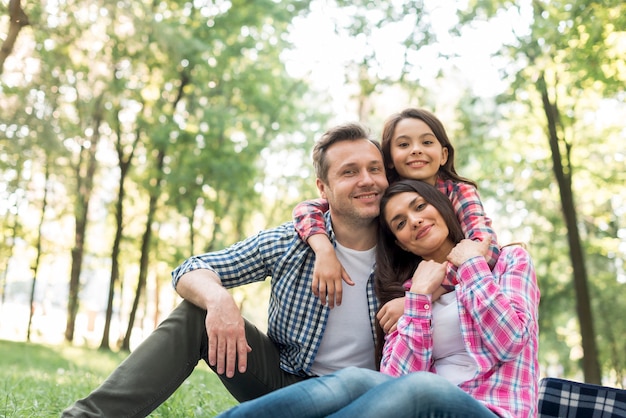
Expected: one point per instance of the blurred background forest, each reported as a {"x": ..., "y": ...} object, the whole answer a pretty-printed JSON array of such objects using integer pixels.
[{"x": 134, "y": 134}]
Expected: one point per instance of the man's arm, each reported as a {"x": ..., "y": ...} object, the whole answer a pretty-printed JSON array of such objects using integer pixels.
[
  {"x": 203, "y": 280},
  {"x": 224, "y": 324}
]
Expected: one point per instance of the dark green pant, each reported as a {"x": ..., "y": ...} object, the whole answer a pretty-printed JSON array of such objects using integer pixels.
[{"x": 153, "y": 371}]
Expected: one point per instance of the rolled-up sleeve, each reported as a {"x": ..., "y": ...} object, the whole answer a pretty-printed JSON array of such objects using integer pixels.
[
  {"x": 248, "y": 261},
  {"x": 409, "y": 348}
]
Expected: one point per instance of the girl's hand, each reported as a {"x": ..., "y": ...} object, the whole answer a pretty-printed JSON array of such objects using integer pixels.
[{"x": 328, "y": 273}]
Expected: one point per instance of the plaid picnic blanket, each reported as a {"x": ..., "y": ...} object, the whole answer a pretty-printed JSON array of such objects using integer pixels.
[{"x": 568, "y": 399}]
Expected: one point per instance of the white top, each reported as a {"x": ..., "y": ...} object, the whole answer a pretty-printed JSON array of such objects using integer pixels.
[
  {"x": 348, "y": 339},
  {"x": 452, "y": 361}
]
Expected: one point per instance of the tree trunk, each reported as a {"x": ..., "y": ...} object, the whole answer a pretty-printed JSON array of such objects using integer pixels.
[
  {"x": 563, "y": 174},
  {"x": 115, "y": 252},
  {"x": 44, "y": 205},
  {"x": 84, "y": 185},
  {"x": 124, "y": 164},
  {"x": 147, "y": 236},
  {"x": 17, "y": 20},
  {"x": 145, "y": 249},
  {"x": 14, "y": 228},
  {"x": 192, "y": 231}
]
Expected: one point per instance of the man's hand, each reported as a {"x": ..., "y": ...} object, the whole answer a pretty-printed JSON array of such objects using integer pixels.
[
  {"x": 225, "y": 327},
  {"x": 228, "y": 347}
]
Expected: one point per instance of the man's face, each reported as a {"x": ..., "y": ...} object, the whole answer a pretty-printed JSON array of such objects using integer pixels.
[{"x": 356, "y": 180}]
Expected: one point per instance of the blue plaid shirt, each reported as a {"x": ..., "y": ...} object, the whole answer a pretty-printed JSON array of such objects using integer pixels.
[{"x": 296, "y": 318}]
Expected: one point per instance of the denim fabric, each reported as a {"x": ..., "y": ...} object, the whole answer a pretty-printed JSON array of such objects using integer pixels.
[
  {"x": 354, "y": 392},
  {"x": 314, "y": 398}
]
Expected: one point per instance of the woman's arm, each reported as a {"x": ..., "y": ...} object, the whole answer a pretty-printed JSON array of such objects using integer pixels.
[
  {"x": 500, "y": 307},
  {"x": 409, "y": 347}
]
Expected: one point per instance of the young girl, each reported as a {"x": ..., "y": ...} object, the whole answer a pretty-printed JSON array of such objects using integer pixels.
[{"x": 415, "y": 146}]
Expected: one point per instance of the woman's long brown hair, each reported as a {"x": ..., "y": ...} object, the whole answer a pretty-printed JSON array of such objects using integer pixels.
[{"x": 394, "y": 266}]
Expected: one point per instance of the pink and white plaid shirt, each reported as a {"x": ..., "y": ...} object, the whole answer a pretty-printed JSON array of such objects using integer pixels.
[{"x": 498, "y": 316}]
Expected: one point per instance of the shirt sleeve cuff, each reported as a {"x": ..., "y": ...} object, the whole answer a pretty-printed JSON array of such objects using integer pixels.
[{"x": 418, "y": 306}]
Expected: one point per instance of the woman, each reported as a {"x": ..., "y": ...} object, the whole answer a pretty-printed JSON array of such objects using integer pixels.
[{"x": 471, "y": 352}]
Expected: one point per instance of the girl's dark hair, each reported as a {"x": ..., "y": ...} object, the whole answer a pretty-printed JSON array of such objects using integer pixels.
[
  {"x": 394, "y": 265},
  {"x": 446, "y": 171}
]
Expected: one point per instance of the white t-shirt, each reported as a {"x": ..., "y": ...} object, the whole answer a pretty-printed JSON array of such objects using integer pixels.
[
  {"x": 348, "y": 339},
  {"x": 452, "y": 360}
]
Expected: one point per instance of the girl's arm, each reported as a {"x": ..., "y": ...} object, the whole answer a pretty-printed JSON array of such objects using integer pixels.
[
  {"x": 308, "y": 220},
  {"x": 474, "y": 222}
]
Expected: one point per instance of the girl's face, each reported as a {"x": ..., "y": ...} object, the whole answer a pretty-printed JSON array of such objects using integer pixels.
[
  {"x": 418, "y": 226},
  {"x": 416, "y": 153}
]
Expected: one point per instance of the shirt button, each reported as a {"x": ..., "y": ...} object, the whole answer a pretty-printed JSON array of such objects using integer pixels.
[{"x": 427, "y": 306}]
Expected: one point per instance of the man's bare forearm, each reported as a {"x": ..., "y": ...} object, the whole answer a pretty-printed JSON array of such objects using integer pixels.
[{"x": 201, "y": 287}]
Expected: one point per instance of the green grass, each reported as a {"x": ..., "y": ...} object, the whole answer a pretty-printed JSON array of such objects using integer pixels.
[{"x": 40, "y": 381}]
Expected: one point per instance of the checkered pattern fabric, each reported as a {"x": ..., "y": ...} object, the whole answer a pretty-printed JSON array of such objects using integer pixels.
[{"x": 568, "y": 399}]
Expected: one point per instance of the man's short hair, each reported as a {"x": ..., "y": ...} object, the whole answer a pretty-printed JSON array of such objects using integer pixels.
[{"x": 353, "y": 131}]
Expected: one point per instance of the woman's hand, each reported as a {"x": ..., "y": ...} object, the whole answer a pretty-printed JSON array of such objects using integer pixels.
[
  {"x": 428, "y": 277},
  {"x": 467, "y": 249}
]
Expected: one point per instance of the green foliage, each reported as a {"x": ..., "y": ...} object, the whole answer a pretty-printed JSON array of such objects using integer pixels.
[
  {"x": 203, "y": 83},
  {"x": 575, "y": 46},
  {"x": 41, "y": 381},
  {"x": 198, "y": 84}
]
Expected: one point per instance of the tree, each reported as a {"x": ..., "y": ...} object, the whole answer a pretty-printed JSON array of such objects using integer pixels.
[
  {"x": 206, "y": 124},
  {"x": 125, "y": 157},
  {"x": 17, "y": 20},
  {"x": 562, "y": 167},
  {"x": 566, "y": 63},
  {"x": 85, "y": 169},
  {"x": 38, "y": 247}
]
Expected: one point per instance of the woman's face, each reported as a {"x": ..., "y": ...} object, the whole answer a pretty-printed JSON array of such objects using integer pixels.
[
  {"x": 418, "y": 226},
  {"x": 416, "y": 153}
]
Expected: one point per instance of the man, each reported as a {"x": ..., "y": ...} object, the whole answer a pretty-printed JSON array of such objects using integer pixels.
[{"x": 304, "y": 338}]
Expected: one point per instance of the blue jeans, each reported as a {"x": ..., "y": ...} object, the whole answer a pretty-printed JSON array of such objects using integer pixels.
[{"x": 354, "y": 392}]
